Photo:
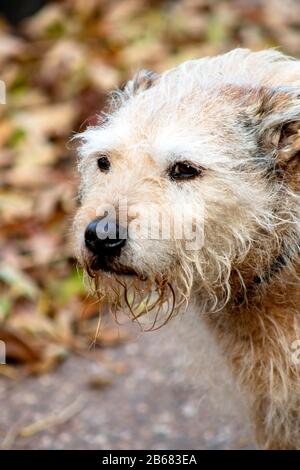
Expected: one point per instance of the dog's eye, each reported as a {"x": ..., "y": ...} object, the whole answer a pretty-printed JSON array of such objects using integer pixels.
[
  {"x": 183, "y": 171},
  {"x": 103, "y": 163}
]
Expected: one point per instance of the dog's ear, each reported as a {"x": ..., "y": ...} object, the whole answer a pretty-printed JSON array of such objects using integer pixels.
[
  {"x": 279, "y": 116},
  {"x": 141, "y": 81}
]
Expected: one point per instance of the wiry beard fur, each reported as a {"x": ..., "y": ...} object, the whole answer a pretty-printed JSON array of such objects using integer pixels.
[{"x": 137, "y": 296}]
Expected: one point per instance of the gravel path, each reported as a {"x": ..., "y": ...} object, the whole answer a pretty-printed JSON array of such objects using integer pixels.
[{"x": 150, "y": 404}]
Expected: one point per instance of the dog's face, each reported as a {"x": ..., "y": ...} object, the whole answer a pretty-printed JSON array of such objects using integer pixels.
[{"x": 178, "y": 186}]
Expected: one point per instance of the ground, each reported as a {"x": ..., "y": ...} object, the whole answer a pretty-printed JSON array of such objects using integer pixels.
[{"x": 150, "y": 404}]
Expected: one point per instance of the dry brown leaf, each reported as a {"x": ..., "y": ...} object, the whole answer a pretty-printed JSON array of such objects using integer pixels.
[
  {"x": 25, "y": 176},
  {"x": 18, "y": 346},
  {"x": 8, "y": 371},
  {"x": 103, "y": 76},
  {"x": 14, "y": 206},
  {"x": 10, "y": 46},
  {"x": 99, "y": 381},
  {"x": 34, "y": 325},
  {"x": 6, "y": 130},
  {"x": 44, "y": 121},
  {"x": 64, "y": 58},
  {"x": 38, "y": 25}
]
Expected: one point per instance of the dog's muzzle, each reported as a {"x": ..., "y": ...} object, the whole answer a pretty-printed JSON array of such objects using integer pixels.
[{"x": 105, "y": 238}]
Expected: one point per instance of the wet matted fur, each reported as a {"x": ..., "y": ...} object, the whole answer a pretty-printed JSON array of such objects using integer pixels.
[{"x": 237, "y": 118}]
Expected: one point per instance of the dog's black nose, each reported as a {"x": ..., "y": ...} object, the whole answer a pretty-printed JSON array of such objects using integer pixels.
[{"x": 105, "y": 237}]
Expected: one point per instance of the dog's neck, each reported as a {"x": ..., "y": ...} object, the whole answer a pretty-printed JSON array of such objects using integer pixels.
[{"x": 260, "y": 282}]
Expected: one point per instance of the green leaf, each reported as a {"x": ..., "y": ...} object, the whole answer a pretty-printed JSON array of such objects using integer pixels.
[
  {"x": 20, "y": 283},
  {"x": 68, "y": 288},
  {"x": 17, "y": 137},
  {"x": 5, "y": 308}
]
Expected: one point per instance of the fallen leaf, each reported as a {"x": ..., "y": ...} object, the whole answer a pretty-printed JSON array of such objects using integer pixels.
[
  {"x": 18, "y": 347},
  {"x": 20, "y": 283}
]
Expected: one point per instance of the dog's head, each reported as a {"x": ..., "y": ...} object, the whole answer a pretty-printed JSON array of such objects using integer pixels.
[{"x": 185, "y": 183}]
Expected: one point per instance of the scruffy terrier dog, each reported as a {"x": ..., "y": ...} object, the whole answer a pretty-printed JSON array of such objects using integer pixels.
[{"x": 219, "y": 138}]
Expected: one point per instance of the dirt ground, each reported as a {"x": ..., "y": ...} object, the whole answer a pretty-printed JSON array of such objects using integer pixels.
[{"x": 142, "y": 399}]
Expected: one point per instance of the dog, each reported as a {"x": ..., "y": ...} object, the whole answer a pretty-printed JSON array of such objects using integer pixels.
[{"x": 213, "y": 145}]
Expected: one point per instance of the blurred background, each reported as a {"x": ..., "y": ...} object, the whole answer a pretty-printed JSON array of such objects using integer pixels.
[{"x": 64, "y": 386}]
